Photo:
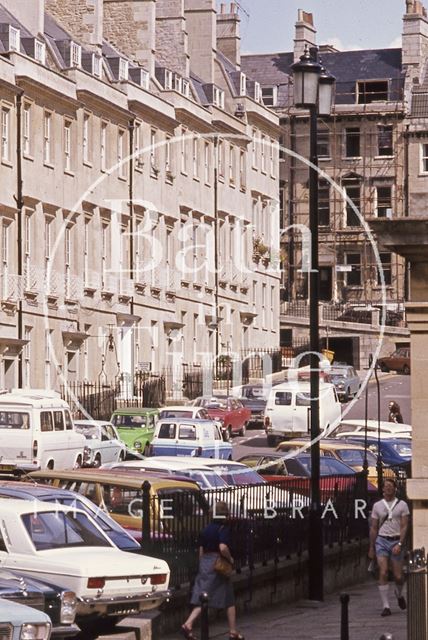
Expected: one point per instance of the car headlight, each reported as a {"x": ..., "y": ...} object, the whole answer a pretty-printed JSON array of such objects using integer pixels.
[
  {"x": 68, "y": 607},
  {"x": 138, "y": 445},
  {"x": 35, "y": 631},
  {"x": 340, "y": 385}
]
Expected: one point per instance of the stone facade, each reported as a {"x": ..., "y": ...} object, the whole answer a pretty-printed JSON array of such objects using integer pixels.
[{"x": 109, "y": 264}]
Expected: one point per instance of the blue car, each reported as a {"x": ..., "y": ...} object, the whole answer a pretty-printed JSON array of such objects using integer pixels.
[
  {"x": 186, "y": 437},
  {"x": 47, "y": 493},
  {"x": 395, "y": 452}
]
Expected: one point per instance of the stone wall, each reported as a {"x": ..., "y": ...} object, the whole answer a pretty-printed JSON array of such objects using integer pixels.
[
  {"x": 171, "y": 36},
  {"x": 83, "y": 19}
]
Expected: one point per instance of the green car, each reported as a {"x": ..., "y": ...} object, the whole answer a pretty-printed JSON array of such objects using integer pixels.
[{"x": 136, "y": 427}]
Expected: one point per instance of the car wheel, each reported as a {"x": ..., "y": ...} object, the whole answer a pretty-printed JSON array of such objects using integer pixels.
[
  {"x": 383, "y": 367},
  {"x": 271, "y": 441},
  {"x": 406, "y": 370},
  {"x": 243, "y": 429},
  {"x": 121, "y": 456},
  {"x": 346, "y": 396},
  {"x": 229, "y": 433},
  {"x": 146, "y": 450},
  {"x": 97, "y": 461},
  {"x": 78, "y": 463},
  {"x": 50, "y": 465}
]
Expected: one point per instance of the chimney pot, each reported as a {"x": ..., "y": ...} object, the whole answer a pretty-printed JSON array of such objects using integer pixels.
[
  {"x": 222, "y": 8},
  {"x": 233, "y": 8}
]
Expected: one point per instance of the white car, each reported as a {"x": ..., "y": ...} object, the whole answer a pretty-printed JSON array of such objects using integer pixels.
[
  {"x": 17, "y": 621},
  {"x": 65, "y": 546},
  {"x": 103, "y": 444},
  {"x": 349, "y": 428}
]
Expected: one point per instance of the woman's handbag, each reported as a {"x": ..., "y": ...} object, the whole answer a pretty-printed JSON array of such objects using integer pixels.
[{"x": 223, "y": 567}]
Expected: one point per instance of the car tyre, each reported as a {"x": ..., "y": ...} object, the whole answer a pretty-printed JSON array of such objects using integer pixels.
[
  {"x": 406, "y": 370},
  {"x": 384, "y": 368},
  {"x": 78, "y": 463},
  {"x": 121, "y": 456},
  {"x": 229, "y": 433},
  {"x": 271, "y": 441},
  {"x": 243, "y": 429},
  {"x": 146, "y": 450},
  {"x": 97, "y": 461},
  {"x": 346, "y": 396}
]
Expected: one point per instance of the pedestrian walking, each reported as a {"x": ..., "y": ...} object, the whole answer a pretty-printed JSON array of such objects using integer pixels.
[
  {"x": 395, "y": 412},
  {"x": 214, "y": 550},
  {"x": 388, "y": 530}
]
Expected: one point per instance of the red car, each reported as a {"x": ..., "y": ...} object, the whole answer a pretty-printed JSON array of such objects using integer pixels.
[{"x": 229, "y": 411}]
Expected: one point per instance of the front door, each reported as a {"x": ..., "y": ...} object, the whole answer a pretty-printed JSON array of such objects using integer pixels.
[{"x": 326, "y": 283}]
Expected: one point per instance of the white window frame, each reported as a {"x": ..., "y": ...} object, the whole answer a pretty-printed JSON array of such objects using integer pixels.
[
  {"x": 207, "y": 164},
  {"x": 153, "y": 153},
  {"x": 270, "y": 98},
  {"x": 67, "y": 144},
  {"x": 185, "y": 88},
  {"x": 121, "y": 172},
  {"x": 86, "y": 252},
  {"x": 123, "y": 69},
  {"x": 27, "y": 249},
  {"x": 27, "y": 357},
  {"x": 75, "y": 55},
  {"x": 40, "y": 51},
  {"x": 86, "y": 138},
  {"x": 257, "y": 92},
  {"x": 48, "y": 223},
  {"x": 263, "y": 154},
  {"x": 26, "y": 129},
  {"x": 47, "y": 137},
  {"x": 97, "y": 66},
  {"x": 14, "y": 38},
  {"x": 183, "y": 151},
  {"x": 220, "y": 163},
  {"x": 195, "y": 156},
  {"x": 138, "y": 157},
  {"x": 242, "y": 84},
  {"x": 218, "y": 97},
  {"x": 254, "y": 149},
  {"x": 103, "y": 146},
  {"x": 5, "y": 133},
  {"x": 145, "y": 79},
  {"x": 424, "y": 157},
  {"x": 168, "y": 157},
  {"x": 242, "y": 170},
  {"x": 168, "y": 80},
  {"x": 232, "y": 177},
  {"x": 272, "y": 158}
]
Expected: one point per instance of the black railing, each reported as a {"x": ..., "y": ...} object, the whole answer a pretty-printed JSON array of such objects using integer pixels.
[{"x": 268, "y": 522}]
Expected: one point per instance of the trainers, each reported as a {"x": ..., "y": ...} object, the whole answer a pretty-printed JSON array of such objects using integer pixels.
[
  {"x": 401, "y": 602},
  {"x": 386, "y": 612}
]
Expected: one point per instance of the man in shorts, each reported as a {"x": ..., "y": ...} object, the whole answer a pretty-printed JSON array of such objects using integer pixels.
[{"x": 388, "y": 530}]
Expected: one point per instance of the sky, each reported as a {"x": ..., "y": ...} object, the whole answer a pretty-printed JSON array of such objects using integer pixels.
[{"x": 347, "y": 24}]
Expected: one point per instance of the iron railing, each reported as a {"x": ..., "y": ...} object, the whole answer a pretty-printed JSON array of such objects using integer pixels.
[{"x": 417, "y": 595}]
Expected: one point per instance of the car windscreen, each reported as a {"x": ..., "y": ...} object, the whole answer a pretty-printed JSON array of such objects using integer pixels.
[
  {"x": 235, "y": 476},
  {"x": 14, "y": 420},
  {"x": 175, "y": 414},
  {"x": 253, "y": 393},
  {"x": 130, "y": 422},
  {"x": 205, "y": 479},
  {"x": 57, "y": 530},
  {"x": 213, "y": 403},
  {"x": 352, "y": 456},
  {"x": 328, "y": 466},
  {"x": 403, "y": 449},
  {"x": 89, "y": 431}
]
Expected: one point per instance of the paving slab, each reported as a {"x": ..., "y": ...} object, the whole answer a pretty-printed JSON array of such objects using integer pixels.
[{"x": 307, "y": 620}]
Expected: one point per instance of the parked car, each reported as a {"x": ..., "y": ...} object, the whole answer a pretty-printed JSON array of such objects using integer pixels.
[
  {"x": 65, "y": 546},
  {"x": 351, "y": 454},
  {"x": 348, "y": 428},
  {"x": 399, "y": 361},
  {"x": 254, "y": 397},
  {"x": 395, "y": 452},
  {"x": 60, "y": 605},
  {"x": 103, "y": 443},
  {"x": 31, "y": 491},
  {"x": 185, "y": 437},
  {"x": 176, "y": 466},
  {"x": 189, "y": 411},
  {"x": 121, "y": 496},
  {"x": 288, "y": 410},
  {"x": 37, "y": 432},
  {"x": 229, "y": 411},
  {"x": 135, "y": 427},
  {"x": 346, "y": 380},
  {"x": 17, "y": 622}
]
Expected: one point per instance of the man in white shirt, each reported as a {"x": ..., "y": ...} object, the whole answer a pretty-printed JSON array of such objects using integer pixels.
[{"x": 388, "y": 530}]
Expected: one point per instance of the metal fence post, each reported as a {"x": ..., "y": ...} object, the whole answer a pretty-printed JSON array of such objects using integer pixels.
[
  {"x": 417, "y": 628},
  {"x": 344, "y": 619},
  {"x": 205, "y": 631},
  {"x": 145, "y": 518}
]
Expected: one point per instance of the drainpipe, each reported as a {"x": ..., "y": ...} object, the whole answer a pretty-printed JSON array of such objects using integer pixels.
[
  {"x": 19, "y": 207},
  {"x": 407, "y": 209},
  {"x": 131, "y": 128}
]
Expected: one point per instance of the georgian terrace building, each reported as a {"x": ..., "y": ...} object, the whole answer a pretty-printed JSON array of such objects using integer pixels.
[{"x": 139, "y": 168}]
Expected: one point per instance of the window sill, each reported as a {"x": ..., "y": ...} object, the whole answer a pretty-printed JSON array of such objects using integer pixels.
[
  {"x": 355, "y": 287},
  {"x": 387, "y": 156},
  {"x": 68, "y": 172},
  {"x": 349, "y": 158},
  {"x": 27, "y": 156},
  {"x": 49, "y": 165},
  {"x": 7, "y": 163},
  {"x": 87, "y": 163},
  {"x": 243, "y": 189},
  {"x": 232, "y": 185},
  {"x": 121, "y": 178},
  {"x": 184, "y": 173},
  {"x": 324, "y": 159},
  {"x": 196, "y": 178},
  {"x": 221, "y": 178}
]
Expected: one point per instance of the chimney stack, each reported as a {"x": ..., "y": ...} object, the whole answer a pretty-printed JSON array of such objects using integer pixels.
[
  {"x": 130, "y": 26},
  {"x": 201, "y": 29},
  {"x": 83, "y": 19},
  {"x": 415, "y": 36},
  {"x": 228, "y": 37},
  {"x": 171, "y": 36},
  {"x": 31, "y": 13},
  {"x": 305, "y": 33}
]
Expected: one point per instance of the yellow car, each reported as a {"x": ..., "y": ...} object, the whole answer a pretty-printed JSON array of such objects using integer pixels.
[
  {"x": 121, "y": 496},
  {"x": 350, "y": 454}
]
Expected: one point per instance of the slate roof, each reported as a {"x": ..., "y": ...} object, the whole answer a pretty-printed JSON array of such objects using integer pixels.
[{"x": 346, "y": 66}]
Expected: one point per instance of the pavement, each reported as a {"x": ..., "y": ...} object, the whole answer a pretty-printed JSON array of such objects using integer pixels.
[{"x": 307, "y": 620}]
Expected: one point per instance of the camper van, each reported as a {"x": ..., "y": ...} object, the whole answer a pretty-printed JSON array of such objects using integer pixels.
[
  {"x": 288, "y": 409},
  {"x": 37, "y": 432}
]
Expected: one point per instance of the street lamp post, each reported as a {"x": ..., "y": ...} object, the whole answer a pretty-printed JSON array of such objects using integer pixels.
[{"x": 313, "y": 90}]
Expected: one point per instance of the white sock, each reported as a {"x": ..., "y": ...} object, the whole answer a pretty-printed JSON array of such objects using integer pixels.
[
  {"x": 398, "y": 590},
  {"x": 383, "y": 590}
]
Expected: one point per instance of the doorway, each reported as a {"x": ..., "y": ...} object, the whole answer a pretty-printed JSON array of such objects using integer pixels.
[{"x": 326, "y": 284}]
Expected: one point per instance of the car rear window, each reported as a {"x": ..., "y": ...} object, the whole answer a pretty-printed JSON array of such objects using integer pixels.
[
  {"x": 56, "y": 530},
  {"x": 167, "y": 431},
  {"x": 283, "y": 398},
  {"x": 14, "y": 420},
  {"x": 187, "y": 432}
]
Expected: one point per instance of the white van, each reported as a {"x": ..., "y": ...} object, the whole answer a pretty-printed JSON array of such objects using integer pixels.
[
  {"x": 287, "y": 410},
  {"x": 37, "y": 432}
]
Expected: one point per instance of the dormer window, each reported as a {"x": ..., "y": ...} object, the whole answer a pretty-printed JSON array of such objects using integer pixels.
[
  {"x": 14, "y": 39},
  {"x": 145, "y": 79},
  {"x": 75, "y": 55},
  {"x": 270, "y": 96},
  {"x": 123, "y": 69},
  {"x": 257, "y": 92},
  {"x": 178, "y": 83},
  {"x": 372, "y": 91},
  {"x": 243, "y": 85},
  {"x": 96, "y": 65},
  {"x": 40, "y": 51},
  {"x": 139, "y": 76},
  {"x": 218, "y": 98},
  {"x": 168, "y": 79}
]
